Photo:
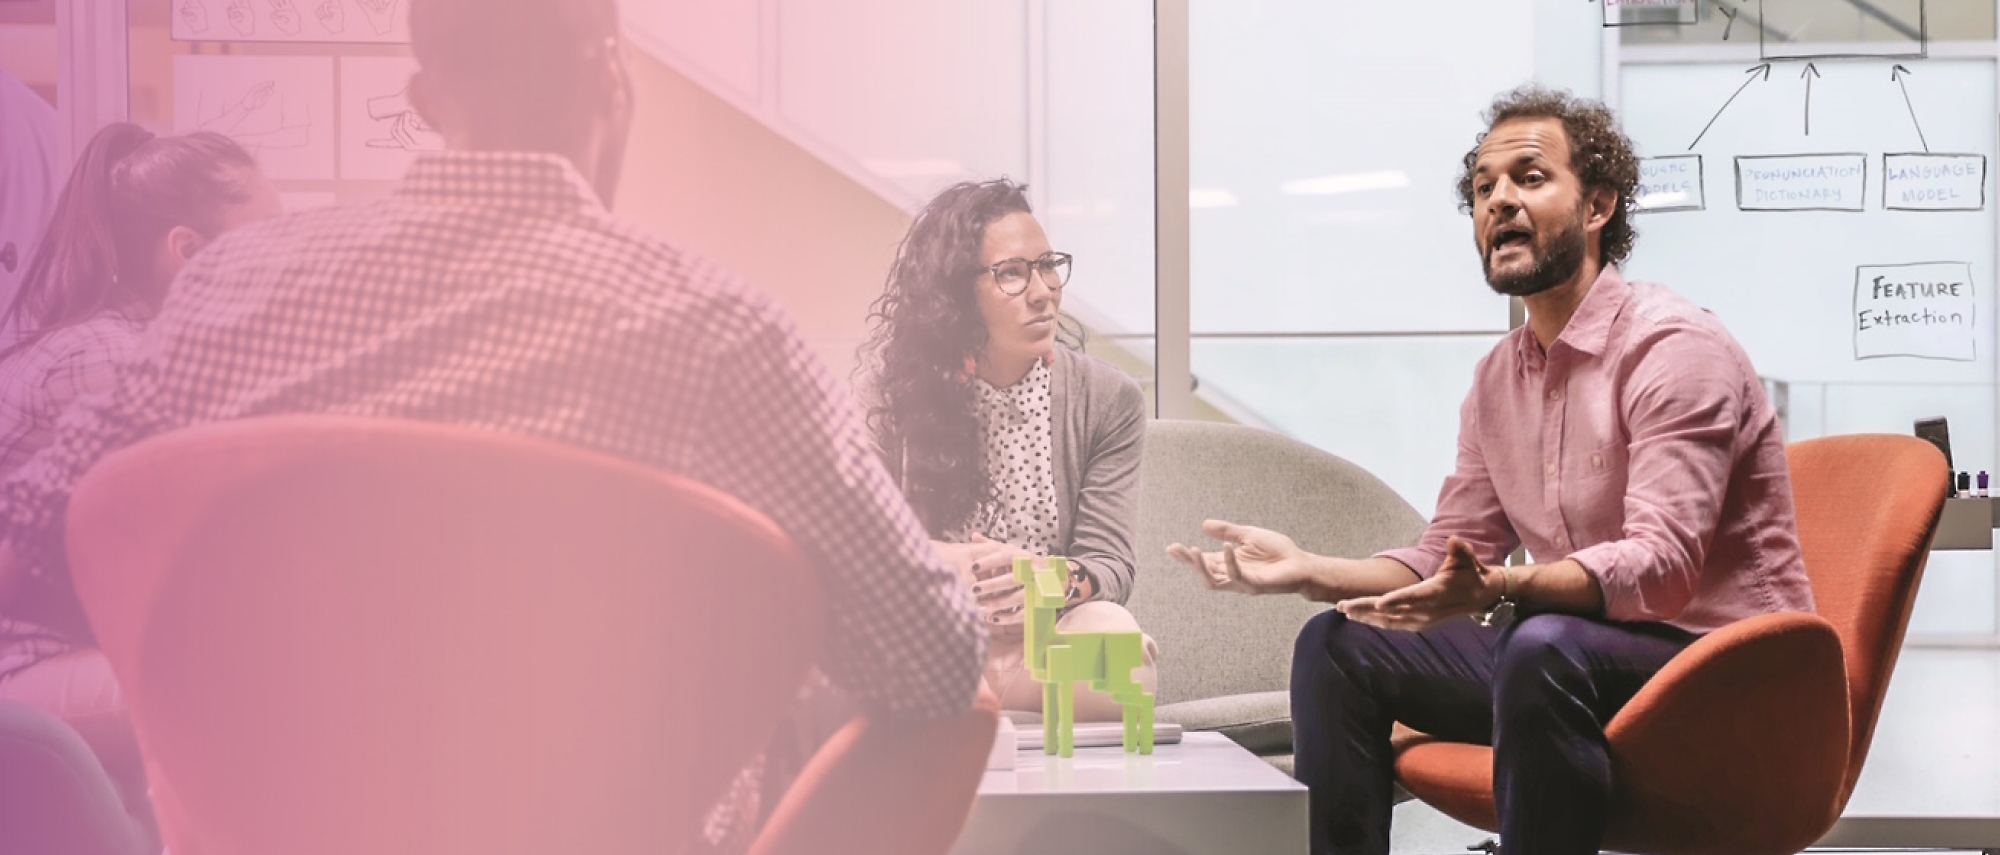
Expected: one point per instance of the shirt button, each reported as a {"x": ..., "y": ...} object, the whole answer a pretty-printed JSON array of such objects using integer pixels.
[
  {"x": 1562, "y": 542},
  {"x": 1597, "y": 460},
  {"x": 1552, "y": 467},
  {"x": 1555, "y": 394}
]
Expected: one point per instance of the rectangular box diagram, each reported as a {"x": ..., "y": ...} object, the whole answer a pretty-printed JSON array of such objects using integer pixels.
[
  {"x": 1802, "y": 182},
  {"x": 1642, "y": 13},
  {"x": 1923, "y": 310},
  {"x": 1933, "y": 182},
  {"x": 1822, "y": 29},
  {"x": 1671, "y": 183}
]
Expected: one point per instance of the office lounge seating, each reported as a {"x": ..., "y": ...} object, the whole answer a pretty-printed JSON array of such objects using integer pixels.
[
  {"x": 1750, "y": 741},
  {"x": 343, "y": 636},
  {"x": 1225, "y": 659}
]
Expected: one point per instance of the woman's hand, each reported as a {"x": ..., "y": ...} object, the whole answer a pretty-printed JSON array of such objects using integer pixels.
[
  {"x": 976, "y": 559},
  {"x": 1001, "y": 597}
]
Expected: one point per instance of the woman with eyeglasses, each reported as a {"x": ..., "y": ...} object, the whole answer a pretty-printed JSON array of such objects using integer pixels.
[{"x": 1006, "y": 439}]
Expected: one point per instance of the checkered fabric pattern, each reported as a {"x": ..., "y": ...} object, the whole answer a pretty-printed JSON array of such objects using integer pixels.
[
  {"x": 493, "y": 290},
  {"x": 40, "y": 381}
]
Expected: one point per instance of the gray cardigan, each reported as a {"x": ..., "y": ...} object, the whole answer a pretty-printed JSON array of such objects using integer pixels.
[{"x": 1097, "y": 417}]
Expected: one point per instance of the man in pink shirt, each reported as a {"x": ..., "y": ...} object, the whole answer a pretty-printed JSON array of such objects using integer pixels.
[{"x": 1622, "y": 437}]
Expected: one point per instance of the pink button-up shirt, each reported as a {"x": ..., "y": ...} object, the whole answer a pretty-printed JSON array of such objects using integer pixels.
[{"x": 1642, "y": 446}]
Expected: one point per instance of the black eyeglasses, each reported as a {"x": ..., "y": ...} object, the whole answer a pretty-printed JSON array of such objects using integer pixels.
[{"x": 1011, "y": 275}]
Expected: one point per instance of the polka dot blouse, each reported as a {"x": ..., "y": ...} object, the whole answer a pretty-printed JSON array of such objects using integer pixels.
[{"x": 1015, "y": 431}]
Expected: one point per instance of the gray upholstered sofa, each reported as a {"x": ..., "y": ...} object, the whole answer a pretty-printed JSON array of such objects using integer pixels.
[{"x": 1225, "y": 659}]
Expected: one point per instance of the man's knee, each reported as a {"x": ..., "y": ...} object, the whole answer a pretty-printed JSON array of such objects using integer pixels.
[
  {"x": 1329, "y": 641},
  {"x": 1315, "y": 637},
  {"x": 1540, "y": 656}
]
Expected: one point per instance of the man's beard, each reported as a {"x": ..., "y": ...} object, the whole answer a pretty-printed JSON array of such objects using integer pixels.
[{"x": 1550, "y": 268}]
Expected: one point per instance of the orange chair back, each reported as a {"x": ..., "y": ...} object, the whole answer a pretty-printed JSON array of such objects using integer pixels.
[
  {"x": 886, "y": 787},
  {"x": 343, "y": 636},
  {"x": 1867, "y": 507}
]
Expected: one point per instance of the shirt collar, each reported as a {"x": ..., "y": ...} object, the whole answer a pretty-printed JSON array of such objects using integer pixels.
[
  {"x": 1036, "y": 380},
  {"x": 1589, "y": 330},
  {"x": 502, "y": 179}
]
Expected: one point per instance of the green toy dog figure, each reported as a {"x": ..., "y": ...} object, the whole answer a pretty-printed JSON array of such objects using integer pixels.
[{"x": 1058, "y": 659}]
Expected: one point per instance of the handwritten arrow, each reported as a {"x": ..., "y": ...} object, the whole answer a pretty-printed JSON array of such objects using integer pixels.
[
  {"x": 1896, "y": 74},
  {"x": 1727, "y": 13},
  {"x": 1813, "y": 72},
  {"x": 1752, "y": 71}
]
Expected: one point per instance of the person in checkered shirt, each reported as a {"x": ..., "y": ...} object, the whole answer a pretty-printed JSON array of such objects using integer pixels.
[{"x": 492, "y": 289}]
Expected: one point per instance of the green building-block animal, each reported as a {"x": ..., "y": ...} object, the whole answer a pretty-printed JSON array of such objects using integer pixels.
[{"x": 1058, "y": 659}]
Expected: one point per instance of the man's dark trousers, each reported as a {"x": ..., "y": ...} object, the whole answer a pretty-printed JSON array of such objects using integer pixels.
[{"x": 1539, "y": 690}]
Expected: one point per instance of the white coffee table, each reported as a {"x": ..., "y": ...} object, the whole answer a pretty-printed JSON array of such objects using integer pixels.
[{"x": 1204, "y": 796}]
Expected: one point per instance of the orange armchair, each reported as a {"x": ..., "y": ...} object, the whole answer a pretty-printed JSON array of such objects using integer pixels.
[
  {"x": 1749, "y": 742},
  {"x": 342, "y": 636}
]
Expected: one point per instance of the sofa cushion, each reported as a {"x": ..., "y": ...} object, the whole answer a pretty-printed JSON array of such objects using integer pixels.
[{"x": 1214, "y": 644}]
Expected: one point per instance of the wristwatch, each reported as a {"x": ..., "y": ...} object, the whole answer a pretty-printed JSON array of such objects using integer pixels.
[
  {"x": 1503, "y": 610},
  {"x": 1077, "y": 578}
]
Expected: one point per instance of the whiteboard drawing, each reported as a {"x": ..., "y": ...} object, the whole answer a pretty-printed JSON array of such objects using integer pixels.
[
  {"x": 280, "y": 108},
  {"x": 321, "y": 21},
  {"x": 406, "y": 130},
  {"x": 256, "y": 119},
  {"x": 1798, "y": 24},
  {"x": 242, "y": 18},
  {"x": 1642, "y": 13},
  {"x": 192, "y": 16},
  {"x": 381, "y": 14},
  {"x": 381, "y": 132},
  {"x": 1926, "y": 310},
  {"x": 332, "y": 15},
  {"x": 285, "y": 17}
]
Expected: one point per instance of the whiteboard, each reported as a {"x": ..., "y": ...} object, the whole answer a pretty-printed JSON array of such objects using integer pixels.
[{"x": 1841, "y": 224}]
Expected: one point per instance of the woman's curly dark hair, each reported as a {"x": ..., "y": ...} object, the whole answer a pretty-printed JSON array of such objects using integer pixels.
[
  {"x": 926, "y": 325},
  {"x": 1600, "y": 155}
]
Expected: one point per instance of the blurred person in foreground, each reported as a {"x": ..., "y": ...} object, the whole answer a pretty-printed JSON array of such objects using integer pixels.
[{"x": 493, "y": 289}]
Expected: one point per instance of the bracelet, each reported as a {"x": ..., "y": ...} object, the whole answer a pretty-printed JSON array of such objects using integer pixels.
[{"x": 1505, "y": 603}]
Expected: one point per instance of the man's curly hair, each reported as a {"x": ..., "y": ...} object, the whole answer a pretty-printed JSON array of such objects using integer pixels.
[{"x": 1599, "y": 153}]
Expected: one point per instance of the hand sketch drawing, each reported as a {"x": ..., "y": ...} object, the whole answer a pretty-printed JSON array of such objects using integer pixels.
[
  {"x": 259, "y": 119},
  {"x": 332, "y": 16},
  {"x": 194, "y": 13},
  {"x": 242, "y": 17},
  {"x": 381, "y": 133},
  {"x": 282, "y": 108},
  {"x": 309, "y": 21},
  {"x": 381, "y": 14},
  {"x": 285, "y": 17},
  {"x": 406, "y": 130}
]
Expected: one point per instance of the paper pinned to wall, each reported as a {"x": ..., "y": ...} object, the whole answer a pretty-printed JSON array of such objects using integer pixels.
[
  {"x": 322, "y": 21},
  {"x": 380, "y": 131},
  {"x": 281, "y": 108}
]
